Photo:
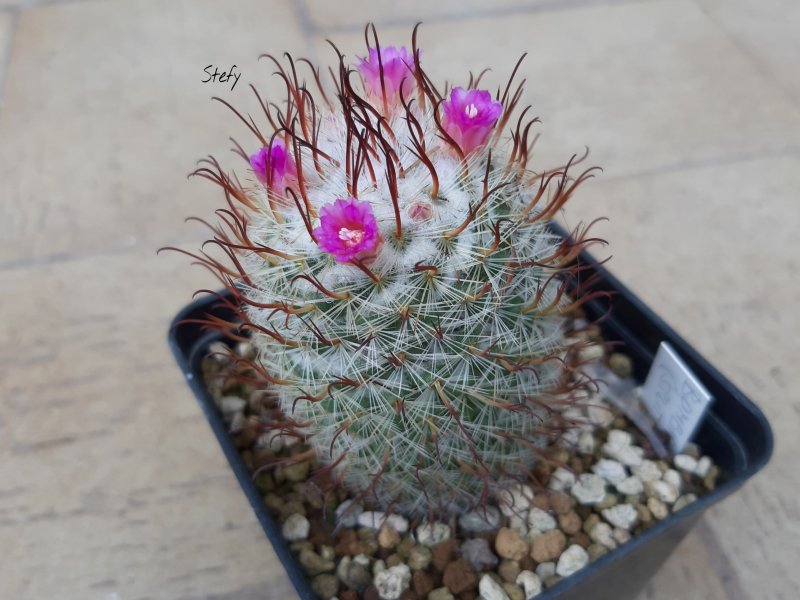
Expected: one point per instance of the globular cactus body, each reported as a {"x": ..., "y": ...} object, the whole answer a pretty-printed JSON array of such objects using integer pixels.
[{"x": 393, "y": 263}]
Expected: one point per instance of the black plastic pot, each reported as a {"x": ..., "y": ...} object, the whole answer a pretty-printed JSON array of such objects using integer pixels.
[{"x": 734, "y": 433}]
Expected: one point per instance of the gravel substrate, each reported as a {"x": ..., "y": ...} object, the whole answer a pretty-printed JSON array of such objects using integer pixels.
[{"x": 524, "y": 541}]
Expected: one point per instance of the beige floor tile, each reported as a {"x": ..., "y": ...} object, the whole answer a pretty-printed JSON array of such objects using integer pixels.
[
  {"x": 354, "y": 14},
  {"x": 767, "y": 31},
  {"x": 643, "y": 85},
  {"x": 714, "y": 251},
  {"x": 112, "y": 482},
  {"x": 6, "y": 31},
  {"x": 105, "y": 114}
]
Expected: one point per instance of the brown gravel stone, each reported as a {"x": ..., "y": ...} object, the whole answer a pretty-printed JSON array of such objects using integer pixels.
[
  {"x": 510, "y": 545},
  {"x": 325, "y": 586},
  {"x": 549, "y": 582},
  {"x": 393, "y": 561},
  {"x": 527, "y": 563},
  {"x": 590, "y": 522},
  {"x": 348, "y": 595},
  {"x": 371, "y": 593},
  {"x": 349, "y": 544},
  {"x": 470, "y": 595},
  {"x": 584, "y": 512},
  {"x": 441, "y": 554},
  {"x": 388, "y": 537},
  {"x": 508, "y": 570},
  {"x": 514, "y": 591},
  {"x": 541, "y": 501},
  {"x": 576, "y": 465},
  {"x": 459, "y": 576},
  {"x": 561, "y": 503},
  {"x": 542, "y": 470},
  {"x": 580, "y": 538},
  {"x": 423, "y": 583},
  {"x": 409, "y": 594},
  {"x": 595, "y": 551},
  {"x": 548, "y": 546},
  {"x": 320, "y": 533},
  {"x": 645, "y": 516},
  {"x": 570, "y": 522},
  {"x": 404, "y": 548}
]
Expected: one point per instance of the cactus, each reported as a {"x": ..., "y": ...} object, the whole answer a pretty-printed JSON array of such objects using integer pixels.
[{"x": 391, "y": 260}]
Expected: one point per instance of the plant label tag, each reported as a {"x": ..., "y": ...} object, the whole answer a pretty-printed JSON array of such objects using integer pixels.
[{"x": 675, "y": 398}]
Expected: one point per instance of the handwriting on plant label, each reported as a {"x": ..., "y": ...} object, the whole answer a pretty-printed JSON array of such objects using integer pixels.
[
  {"x": 221, "y": 76},
  {"x": 674, "y": 396}
]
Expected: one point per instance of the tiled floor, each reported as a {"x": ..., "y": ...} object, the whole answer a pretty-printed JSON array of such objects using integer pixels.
[{"x": 111, "y": 484}]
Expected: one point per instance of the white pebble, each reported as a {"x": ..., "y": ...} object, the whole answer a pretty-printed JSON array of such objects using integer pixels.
[
  {"x": 647, "y": 471},
  {"x": 546, "y": 570},
  {"x": 663, "y": 491},
  {"x": 540, "y": 521},
  {"x": 621, "y": 536},
  {"x": 561, "y": 480},
  {"x": 683, "y": 502},
  {"x": 590, "y": 489},
  {"x": 657, "y": 508},
  {"x": 591, "y": 353},
  {"x": 231, "y": 404},
  {"x": 392, "y": 582},
  {"x": 490, "y": 590},
  {"x": 480, "y": 521},
  {"x": 347, "y": 513},
  {"x": 573, "y": 559},
  {"x": 703, "y": 467},
  {"x": 599, "y": 414},
  {"x": 431, "y": 534},
  {"x": 515, "y": 499},
  {"x": 519, "y": 524},
  {"x": 378, "y": 567},
  {"x": 619, "y": 438},
  {"x": 630, "y": 456},
  {"x": 632, "y": 486},
  {"x": 587, "y": 443},
  {"x": 623, "y": 516},
  {"x": 685, "y": 462},
  {"x": 672, "y": 477},
  {"x": 376, "y": 519},
  {"x": 530, "y": 583},
  {"x": 610, "y": 470},
  {"x": 295, "y": 528},
  {"x": 603, "y": 535}
]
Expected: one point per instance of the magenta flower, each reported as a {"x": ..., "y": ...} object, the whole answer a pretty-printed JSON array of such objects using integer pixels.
[
  {"x": 276, "y": 159},
  {"x": 347, "y": 230},
  {"x": 398, "y": 65},
  {"x": 470, "y": 116}
]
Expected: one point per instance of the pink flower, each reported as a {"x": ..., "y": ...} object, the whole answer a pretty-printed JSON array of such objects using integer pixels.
[
  {"x": 276, "y": 159},
  {"x": 470, "y": 116},
  {"x": 347, "y": 230},
  {"x": 398, "y": 65}
]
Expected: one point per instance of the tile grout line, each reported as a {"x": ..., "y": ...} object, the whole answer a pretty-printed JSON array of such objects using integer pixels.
[
  {"x": 744, "y": 49},
  {"x": 9, "y": 49},
  {"x": 550, "y": 6}
]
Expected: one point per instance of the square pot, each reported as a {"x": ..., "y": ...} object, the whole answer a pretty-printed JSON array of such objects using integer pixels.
[{"x": 734, "y": 433}]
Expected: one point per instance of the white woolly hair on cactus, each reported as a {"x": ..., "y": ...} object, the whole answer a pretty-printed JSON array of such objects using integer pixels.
[{"x": 392, "y": 262}]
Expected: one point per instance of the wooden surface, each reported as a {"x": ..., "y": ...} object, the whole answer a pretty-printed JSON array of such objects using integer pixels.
[{"x": 111, "y": 484}]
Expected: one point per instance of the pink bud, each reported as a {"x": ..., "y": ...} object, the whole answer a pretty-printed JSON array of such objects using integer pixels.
[
  {"x": 274, "y": 166},
  {"x": 420, "y": 211}
]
